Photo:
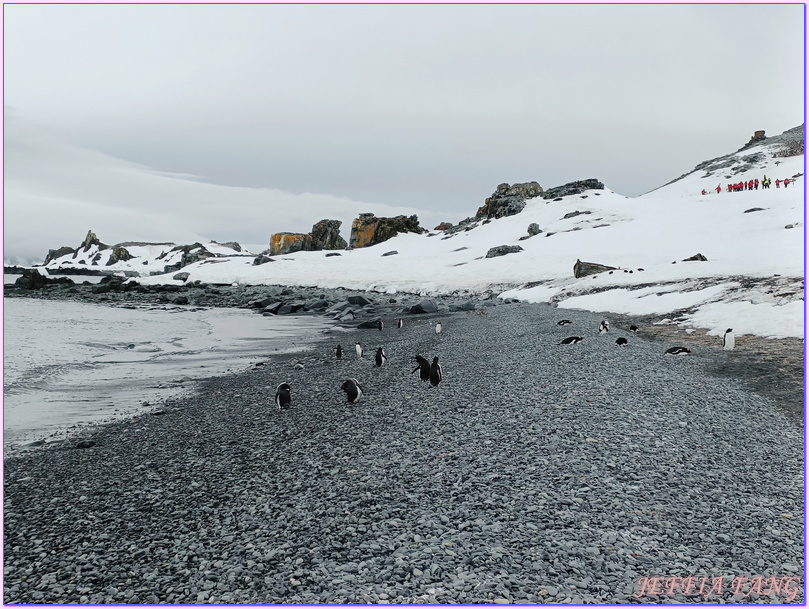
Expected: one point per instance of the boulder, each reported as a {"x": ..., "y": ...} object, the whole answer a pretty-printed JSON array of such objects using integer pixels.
[
  {"x": 502, "y": 250},
  {"x": 533, "y": 229},
  {"x": 390, "y": 253},
  {"x": 573, "y": 214},
  {"x": 330, "y": 254},
  {"x": 369, "y": 230},
  {"x": 32, "y": 280},
  {"x": 286, "y": 243},
  {"x": 262, "y": 259},
  {"x": 325, "y": 235},
  {"x": 583, "y": 269},
  {"x": 444, "y": 226},
  {"x": 181, "y": 276},
  {"x": 427, "y": 305},
  {"x": 358, "y": 300},
  {"x": 572, "y": 188},
  {"x": 371, "y": 324},
  {"x": 119, "y": 254},
  {"x": 508, "y": 200},
  {"x": 696, "y": 258}
]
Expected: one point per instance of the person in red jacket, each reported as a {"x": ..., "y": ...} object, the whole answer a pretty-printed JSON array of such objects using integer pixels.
[
  {"x": 778, "y": 183},
  {"x": 755, "y": 183},
  {"x": 718, "y": 189},
  {"x": 786, "y": 182}
]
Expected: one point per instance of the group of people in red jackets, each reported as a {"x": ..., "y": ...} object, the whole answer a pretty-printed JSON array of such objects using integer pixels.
[{"x": 751, "y": 185}]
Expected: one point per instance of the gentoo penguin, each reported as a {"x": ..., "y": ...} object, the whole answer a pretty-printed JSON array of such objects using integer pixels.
[
  {"x": 435, "y": 373},
  {"x": 678, "y": 351},
  {"x": 572, "y": 340},
  {"x": 380, "y": 325},
  {"x": 338, "y": 352},
  {"x": 438, "y": 328},
  {"x": 353, "y": 390},
  {"x": 621, "y": 341},
  {"x": 400, "y": 323},
  {"x": 564, "y": 322},
  {"x": 728, "y": 340},
  {"x": 423, "y": 366},
  {"x": 604, "y": 327},
  {"x": 381, "y": 358},
  {"x": 633, "y": 328},
  {"x": 358, "y": 349},
  {"x": 282, "y": 397}
]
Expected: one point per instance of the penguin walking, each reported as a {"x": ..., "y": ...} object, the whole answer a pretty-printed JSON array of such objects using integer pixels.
[
  {"x": 728, "y": 340},
  {"x": 622, "y": 342},
  {"x": 604, "y": 327},
  {"x": 353, "y": 390},
  {"x": 678, "y": 351},
  {"x": 633, "y": 328},
  {"x": 423, "y": 366},
  {"x": 399, "y": 323},
  {"x": 439, "y": 328},
  {"x": 564, "y": 322},
  {"x": 572, "y": 340},
  {"x": 435, "y": 372},
  {"x": 338, "y": 352},
  {"x": 380, "y": 325},
  {"x": 358, "y": 349},
  {"x": 381, "y": 358},
  {"x": 283, "y": 399}
]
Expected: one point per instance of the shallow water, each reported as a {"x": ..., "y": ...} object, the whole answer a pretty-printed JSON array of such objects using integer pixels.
[{"x": 68, "y": 363}]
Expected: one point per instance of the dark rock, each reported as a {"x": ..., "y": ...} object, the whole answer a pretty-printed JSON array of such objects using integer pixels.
[
  {"x": 181, "y": 276},
  {"x": 696, "y": 258},
  {"x": 502, "y": 250},
  {"x": 583, "y": 269},
  {"x": 32, "y": 280},
  {"x": 290, "y": 307},
  {"x": 333, "y": 254},
  {"x": 390, "y": 253},
  {"x": 444, "y": 226},
  {"x": 119, "y": 254},
  {"x": 371, "y": 324},
  {"x": 58, "y": 253},
  {"x": 573, "y": 214},
  {"x": 369, "y": 230},
  {"x": 752, "y": 209},
  {"x": 427, "y": 305},
  {"x": 180, "y": 300},
  {"x": 572, "y": 188},
  {"x": 358, "y": 300},
  {"x": 325, "y": 235},
  {"x": 262, "y": 259},
  {"x": 85, "y": 444},
  {"x": 533, "y": 229},
  {"x": 508, "y": 200}
]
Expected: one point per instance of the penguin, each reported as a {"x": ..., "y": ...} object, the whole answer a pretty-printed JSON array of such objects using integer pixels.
[
  {"x": 338, "y": 352},
  {"x": 435, "y": 372},
  {"x": 400, "y": 323},
  {"x": 633, "y": 328},
  {"x": 728, "y": 340},
  {"x": 282, "y": 397},
  {"x": 622, "y": 342},
  {"x": 358, "y": 349},
  {"x": 572, "y": 340},
  {"x": 564, "y": 322},
  {"x": 604, "y": 327},
  {"x": 380, "y": 325},
  {"x": 438, "y": 328},
  {"x": 423, "y": 366},
  {"x": 381, "y": 358},
  {"x": 353, "y": 390},
  {"x": 678, "y": 351}
]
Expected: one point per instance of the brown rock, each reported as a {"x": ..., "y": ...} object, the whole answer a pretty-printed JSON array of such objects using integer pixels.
[
  {"x": 369, "y": 230},
  {"x": 286, "y": 243}
]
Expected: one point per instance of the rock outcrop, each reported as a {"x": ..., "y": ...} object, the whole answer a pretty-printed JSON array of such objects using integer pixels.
[
  {"x": 62, "y": 251},
  {"x": 502, "y": 250},
  {"x": 572, "y": 188},
  {"x": 583, "y": 269},
  {"x": 287, "y": 243},
  {"x": 508, "y": 200},
  {"x": 369, "y": 230},
  {"x": 325, "y": 235},
  {"x": 32, "y": 280},
  {"x": 119, "y": 254}
]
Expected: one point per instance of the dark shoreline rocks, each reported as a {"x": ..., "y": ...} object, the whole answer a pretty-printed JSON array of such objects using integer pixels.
[{"x": 516, "y": 481}]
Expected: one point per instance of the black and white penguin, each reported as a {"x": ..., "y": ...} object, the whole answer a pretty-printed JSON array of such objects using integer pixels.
[
  {"x": 572, "y": 340},
  {"x": 399, "y": 323},
  {"x": 283, "y": 399},
  {"x": 633, "y": 328},
  {"x": 358, "y": 349},
  {"x": 622, "y": 342},
  {"x": 728, "y": 340},
  {"x": 435, "y": 372},
  {"x": 423, "y": 366},
  {"x": 353, "y": 390},
  {"x": 380, "y": 325},
  {"x": 564, "y": 322},
  {"x": 604, "y": 327},
  {"x": 439, "y": 328},
  {"x": 381, "y": 358},
  {"x": 338, "y": 352},
  {"x": 678, "y": 351}
]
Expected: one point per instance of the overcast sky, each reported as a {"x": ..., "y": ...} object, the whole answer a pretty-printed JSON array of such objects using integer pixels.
[{"x": 232, "y": 122}]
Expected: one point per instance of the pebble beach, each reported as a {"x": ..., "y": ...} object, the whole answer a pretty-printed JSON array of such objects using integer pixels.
[{"x": 534, "y": 473}]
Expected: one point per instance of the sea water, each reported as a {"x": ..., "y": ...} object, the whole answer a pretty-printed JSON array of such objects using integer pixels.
[{"x": 69, "y": 363}]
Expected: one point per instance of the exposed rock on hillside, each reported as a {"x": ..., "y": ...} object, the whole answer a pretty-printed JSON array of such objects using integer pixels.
[
  {"x": 572, "y": 188},
  {"x": 369, "y": 230},
  {"x": 508, "y": 200},
  {"x": 325, "y": 235},
  {"x": 582, "y": 269},
  {"x": 286, "y": 243},
  {"x": 119, "y": 254}
]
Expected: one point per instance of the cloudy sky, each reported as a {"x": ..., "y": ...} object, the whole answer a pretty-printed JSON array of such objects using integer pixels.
[{"x": 232, "y": 122}]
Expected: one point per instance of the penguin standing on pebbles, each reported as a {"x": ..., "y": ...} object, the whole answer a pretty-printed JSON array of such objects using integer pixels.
[
  {"x": 572, "y": 340},
  {"x": 439, "y": 328},
  {"x": 564, "y": 322},
  {"x": 622, "y": 342},
  {"x": 358, "y": 349},
  {"x": 338, "y": 352},
  {"x": 633, "y": 328},
  {"x": 678, "y": 351},
  {"x": 283, "y": 399},
  {"x": 381, "y": 358},
  {"x": 728, "y": 340},
  {"x": 604, "y": 327},
  {"x": 400, "y": 323},
  {"x": 435, "y": 372},
  {"x": 423, "y": 366},
  {"x": 380, "y": 325},
  {"x": 353, "y": 390}
]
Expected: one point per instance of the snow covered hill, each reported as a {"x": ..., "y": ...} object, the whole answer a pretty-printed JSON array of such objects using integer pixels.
[{"x": 753, "y": 242}]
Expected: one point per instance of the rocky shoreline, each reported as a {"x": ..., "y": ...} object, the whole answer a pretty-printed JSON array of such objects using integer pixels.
[{"x": 535, "y": 473}]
